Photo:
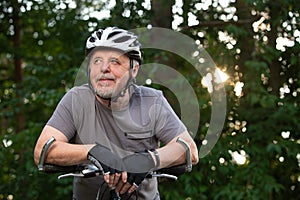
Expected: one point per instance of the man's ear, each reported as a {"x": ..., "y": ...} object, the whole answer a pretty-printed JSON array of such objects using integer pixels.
[{"x": 135, "y": 69}]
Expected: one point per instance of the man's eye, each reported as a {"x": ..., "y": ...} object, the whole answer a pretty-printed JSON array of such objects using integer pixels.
[
  {"x": 97, "y": 61},
  {"x": 114, "y": 61}
]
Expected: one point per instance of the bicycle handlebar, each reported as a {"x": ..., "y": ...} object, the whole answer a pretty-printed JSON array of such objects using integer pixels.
[
  {"x": 49, "y": 168},
  {"x": 90, "y": 170}
]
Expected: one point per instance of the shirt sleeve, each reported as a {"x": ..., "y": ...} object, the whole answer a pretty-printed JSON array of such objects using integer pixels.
[
  {"x": 62, "y": 118},
  {"x": 168, "y": 124}
]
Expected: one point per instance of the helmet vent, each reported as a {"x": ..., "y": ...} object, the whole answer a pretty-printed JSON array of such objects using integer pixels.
[
  {"x": 113, "y": 34},
  {"x": 92, "y": 39},
  {"x": 122, "y": 39},
  {"x": 99, "y": 34}
]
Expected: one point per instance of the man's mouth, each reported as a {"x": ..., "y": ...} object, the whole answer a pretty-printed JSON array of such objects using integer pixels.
[{"x": 105, "y": 80}]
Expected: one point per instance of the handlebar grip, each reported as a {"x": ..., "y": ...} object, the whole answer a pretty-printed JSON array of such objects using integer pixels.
[
  {"x": 49, "y": 168},
  {"x": 174, "y": 170}
]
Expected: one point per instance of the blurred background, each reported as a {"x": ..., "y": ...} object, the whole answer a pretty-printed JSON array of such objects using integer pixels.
[{"x": 255, "y": 45}]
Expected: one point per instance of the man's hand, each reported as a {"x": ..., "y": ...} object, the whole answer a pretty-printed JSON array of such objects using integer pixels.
[
  {"x": 111, "y": 164},
  {"x": 137, "y": 165}
]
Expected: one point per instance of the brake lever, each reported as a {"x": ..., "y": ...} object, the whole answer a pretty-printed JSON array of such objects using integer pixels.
[
  {"x": 169, "y": 176},
  {"x": 70, "y": 175},
  {"x": 161, "y": 175},
  {"x": 88, "y": 171}
]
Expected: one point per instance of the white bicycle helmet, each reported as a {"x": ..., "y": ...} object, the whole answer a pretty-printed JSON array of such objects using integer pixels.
[{"x": 116, "y": 38}]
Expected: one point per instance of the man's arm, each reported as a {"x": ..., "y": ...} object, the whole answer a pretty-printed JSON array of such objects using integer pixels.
[
  {"x": 63, "y": 153},
  {"x": 173, "y": 153},
  {"x": 60, "y": 152}
]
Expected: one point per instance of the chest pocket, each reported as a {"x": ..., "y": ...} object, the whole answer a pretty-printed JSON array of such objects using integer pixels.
[{"x": 140, "y": 141}]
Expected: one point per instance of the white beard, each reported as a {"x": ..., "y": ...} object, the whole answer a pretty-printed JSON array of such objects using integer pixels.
[{"x": 105, "y": 93}]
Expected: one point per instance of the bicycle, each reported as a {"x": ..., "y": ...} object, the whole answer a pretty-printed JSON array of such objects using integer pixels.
[{"x": 90, "y": 170}]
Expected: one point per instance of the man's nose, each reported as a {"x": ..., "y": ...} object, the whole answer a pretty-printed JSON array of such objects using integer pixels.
[{"x": 105, "y": 66}]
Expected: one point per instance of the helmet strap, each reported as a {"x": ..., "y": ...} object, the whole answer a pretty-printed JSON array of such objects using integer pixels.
[{"x": 130, "y": 82}]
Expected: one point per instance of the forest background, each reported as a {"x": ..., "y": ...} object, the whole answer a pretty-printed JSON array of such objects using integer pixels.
[{"x": 254, "y": 43}]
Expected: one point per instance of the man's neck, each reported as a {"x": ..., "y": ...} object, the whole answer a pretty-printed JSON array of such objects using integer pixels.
[{"x": 119, "y": 104}]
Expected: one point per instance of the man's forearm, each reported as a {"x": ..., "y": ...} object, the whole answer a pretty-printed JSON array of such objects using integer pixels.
[
  {"x": 60, "y": 152},
  {"x": 174, "y": 153},
  {"x": 171, "y": 155},
  {"x": 64, "y": 154}
]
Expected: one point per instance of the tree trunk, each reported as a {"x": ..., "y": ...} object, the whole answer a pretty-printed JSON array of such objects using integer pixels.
[
  {"x": 275, "y": 67},
  {"x": 246, "y": 47},
  {"x": 18, "y": 64},
  {"x": 162, "y": 11}
]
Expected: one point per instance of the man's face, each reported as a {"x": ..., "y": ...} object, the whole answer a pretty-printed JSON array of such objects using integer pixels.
[{"x": 109, "y": 72}]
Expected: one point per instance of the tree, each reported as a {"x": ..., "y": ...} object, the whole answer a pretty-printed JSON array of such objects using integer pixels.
[
  {"x": 255, "y": 125},
  {"x": 42, "y": 49},
  {"x": 37, "y": 69}
]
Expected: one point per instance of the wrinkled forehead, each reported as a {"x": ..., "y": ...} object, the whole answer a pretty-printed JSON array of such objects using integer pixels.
[{"x": 107, "y": 51}]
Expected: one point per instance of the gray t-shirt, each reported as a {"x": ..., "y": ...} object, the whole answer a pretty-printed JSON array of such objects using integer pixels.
[{"x": 146, "y": 121}]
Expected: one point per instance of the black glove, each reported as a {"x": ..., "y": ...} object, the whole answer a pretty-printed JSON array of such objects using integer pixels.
[
  {"x": 138, "y": 165},
  {"x": 104, "y": 159}
]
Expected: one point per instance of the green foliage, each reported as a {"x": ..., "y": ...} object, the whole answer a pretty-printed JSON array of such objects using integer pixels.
[
  {"x": 19, "y": 172},
  {"x": 263, "y": 121},
  {"x": 50, "y": 66}
]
